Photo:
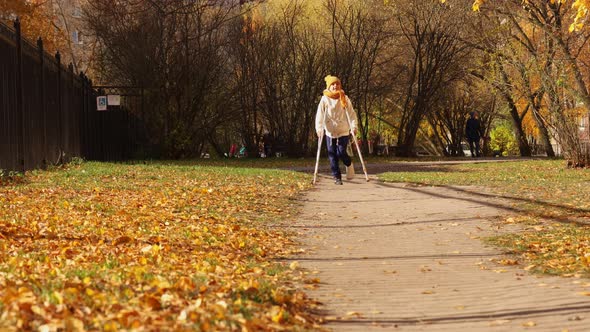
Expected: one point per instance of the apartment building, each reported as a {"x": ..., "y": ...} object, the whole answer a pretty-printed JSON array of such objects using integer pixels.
[{"x": 69, "y": 19}]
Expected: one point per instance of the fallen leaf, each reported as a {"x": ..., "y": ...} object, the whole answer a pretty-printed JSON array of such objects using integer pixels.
[
  {"x": 74, "y": 324},
  {"x": 122, "y": 240},
  {"x": 499, "y": 322}
]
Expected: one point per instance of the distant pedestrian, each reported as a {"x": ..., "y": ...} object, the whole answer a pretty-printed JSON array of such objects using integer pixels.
[
  {"x": 261, "y": 149},
  {"x": 243, "y": 152},
  {"x": 332, "y": 117},
  {"x": 473, "y": 133},
  {"x": 233, "y": 150},
  {"x": 267, "y": 139}
]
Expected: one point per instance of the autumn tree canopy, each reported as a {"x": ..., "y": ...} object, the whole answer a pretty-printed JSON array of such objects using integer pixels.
[
  {"x": 37, "y": 21},
  {"x": 217, "y": 73}
]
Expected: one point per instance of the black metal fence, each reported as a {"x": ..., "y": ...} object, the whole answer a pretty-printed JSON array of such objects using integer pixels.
[
  {"x": 48, "y": 114},
  {"x": 118, "y": 133}
]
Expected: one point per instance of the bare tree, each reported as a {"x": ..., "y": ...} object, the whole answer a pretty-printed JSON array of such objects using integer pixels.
[
  {"x": 278, "y": 64},
  {"x": 360, "y": 34},
  {"x": 174, "y": 50},
  {"x": 432, "y": 38}
]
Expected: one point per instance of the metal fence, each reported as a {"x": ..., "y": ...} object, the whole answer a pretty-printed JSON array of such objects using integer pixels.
[
  {"x": 48, "y": 113},
  {"x": 118, "y": 133}
]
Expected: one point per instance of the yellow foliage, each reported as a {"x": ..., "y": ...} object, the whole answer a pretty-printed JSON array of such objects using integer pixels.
[
  {"x": 477, "y": 4},
  {"x": 37, "y": 20},
  {"x": 577, "y": 112},
  {"x": 530, "y": 125},
  {"x": 580, "y": 6}
]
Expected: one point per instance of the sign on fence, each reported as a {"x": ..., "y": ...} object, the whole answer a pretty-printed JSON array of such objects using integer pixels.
[
  {"x": 114, "y": 100},
  {"x": 101, "y": 103}
]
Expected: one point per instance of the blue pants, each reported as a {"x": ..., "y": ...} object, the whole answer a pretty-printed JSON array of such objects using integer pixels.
[{"x": 337, "y": 152}]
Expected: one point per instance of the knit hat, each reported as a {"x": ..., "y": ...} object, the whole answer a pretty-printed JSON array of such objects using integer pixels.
[{"x": 331, "y": 80}]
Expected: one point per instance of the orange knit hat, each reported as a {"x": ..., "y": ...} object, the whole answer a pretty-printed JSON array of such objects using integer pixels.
[{"x": 331, "y": 80}]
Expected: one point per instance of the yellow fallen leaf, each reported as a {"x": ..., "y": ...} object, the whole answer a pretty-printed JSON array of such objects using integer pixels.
[
  {"x": 52, "y": 327},
  {"x": 74, "y": 324},
  {"x": 278, "y": 315},
  {"x": 508, "y": 262},
  {"x": 499, "y": 322},
  {"x": 529, "y": 324},
  {"x": 146, "y": 249},
  {"x": 38, "y": 310},
  {"x": 57, "y": 297}
]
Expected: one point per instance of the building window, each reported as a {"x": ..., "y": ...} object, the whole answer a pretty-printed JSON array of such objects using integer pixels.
[
  {"x": 77, "y": 37},
  {"x": 77, "y": 12}
]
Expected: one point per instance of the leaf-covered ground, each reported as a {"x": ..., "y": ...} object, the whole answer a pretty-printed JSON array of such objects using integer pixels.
[
  {"x": 102, "y": 246},
  {"x": 554, "y": 205}
]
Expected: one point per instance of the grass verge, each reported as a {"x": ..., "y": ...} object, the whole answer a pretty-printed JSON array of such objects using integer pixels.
[{"x": 156, "y": 246}]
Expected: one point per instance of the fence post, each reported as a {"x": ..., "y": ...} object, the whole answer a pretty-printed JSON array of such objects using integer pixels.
[
  {"x": 70, "y": 113},
  {"x": 43, "y": 98},
  {"x": 91, "y": 122},
  {"x": 19, "y": 97},
  {"x": 82, "y": 118},
  {"x": 59, "y": 109}
]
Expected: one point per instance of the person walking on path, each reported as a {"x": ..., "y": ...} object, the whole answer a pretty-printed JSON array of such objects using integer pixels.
[
  {"x": 473, "y": 134},
  {"x": 336, "y": 117}
]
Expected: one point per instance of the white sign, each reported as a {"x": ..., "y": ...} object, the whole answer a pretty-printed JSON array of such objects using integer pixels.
[
  {"x": 114, "y": 100},
  {"x": 101, "y": 103}
]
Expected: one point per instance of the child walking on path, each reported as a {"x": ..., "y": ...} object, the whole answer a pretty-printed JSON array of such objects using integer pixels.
[{"x": 337, "y": 118}]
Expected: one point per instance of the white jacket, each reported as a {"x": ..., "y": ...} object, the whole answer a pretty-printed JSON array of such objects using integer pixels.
[{"x": 331, "y": 117}]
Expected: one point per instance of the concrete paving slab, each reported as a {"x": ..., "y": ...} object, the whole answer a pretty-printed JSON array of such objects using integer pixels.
[{"x": 396, "y": 257}]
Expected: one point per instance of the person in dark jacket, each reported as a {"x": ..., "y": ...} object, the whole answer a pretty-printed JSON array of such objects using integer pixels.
[{"x": 473, "y": 134}]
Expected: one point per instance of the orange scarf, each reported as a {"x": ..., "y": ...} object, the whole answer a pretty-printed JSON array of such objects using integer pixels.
[{"x": 338, "y": 94}]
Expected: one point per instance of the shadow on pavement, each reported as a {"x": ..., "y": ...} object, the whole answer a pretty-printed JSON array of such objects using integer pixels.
[
  {"x": 492, "y": 200},
  {"x": 517, "y": 313}
]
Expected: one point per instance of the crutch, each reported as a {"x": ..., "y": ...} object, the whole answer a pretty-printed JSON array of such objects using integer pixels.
[
  {"x": 358, "y": 150},
  {"x": 317, "y": 158}
]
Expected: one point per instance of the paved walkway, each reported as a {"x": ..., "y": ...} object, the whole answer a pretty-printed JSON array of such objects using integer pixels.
[{"x": 395, "y": 257}]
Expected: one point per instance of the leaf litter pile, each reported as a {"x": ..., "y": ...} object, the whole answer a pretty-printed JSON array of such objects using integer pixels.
[
  {"x": 150, "y": 247},
  {"x": 554, "y": 205}
]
